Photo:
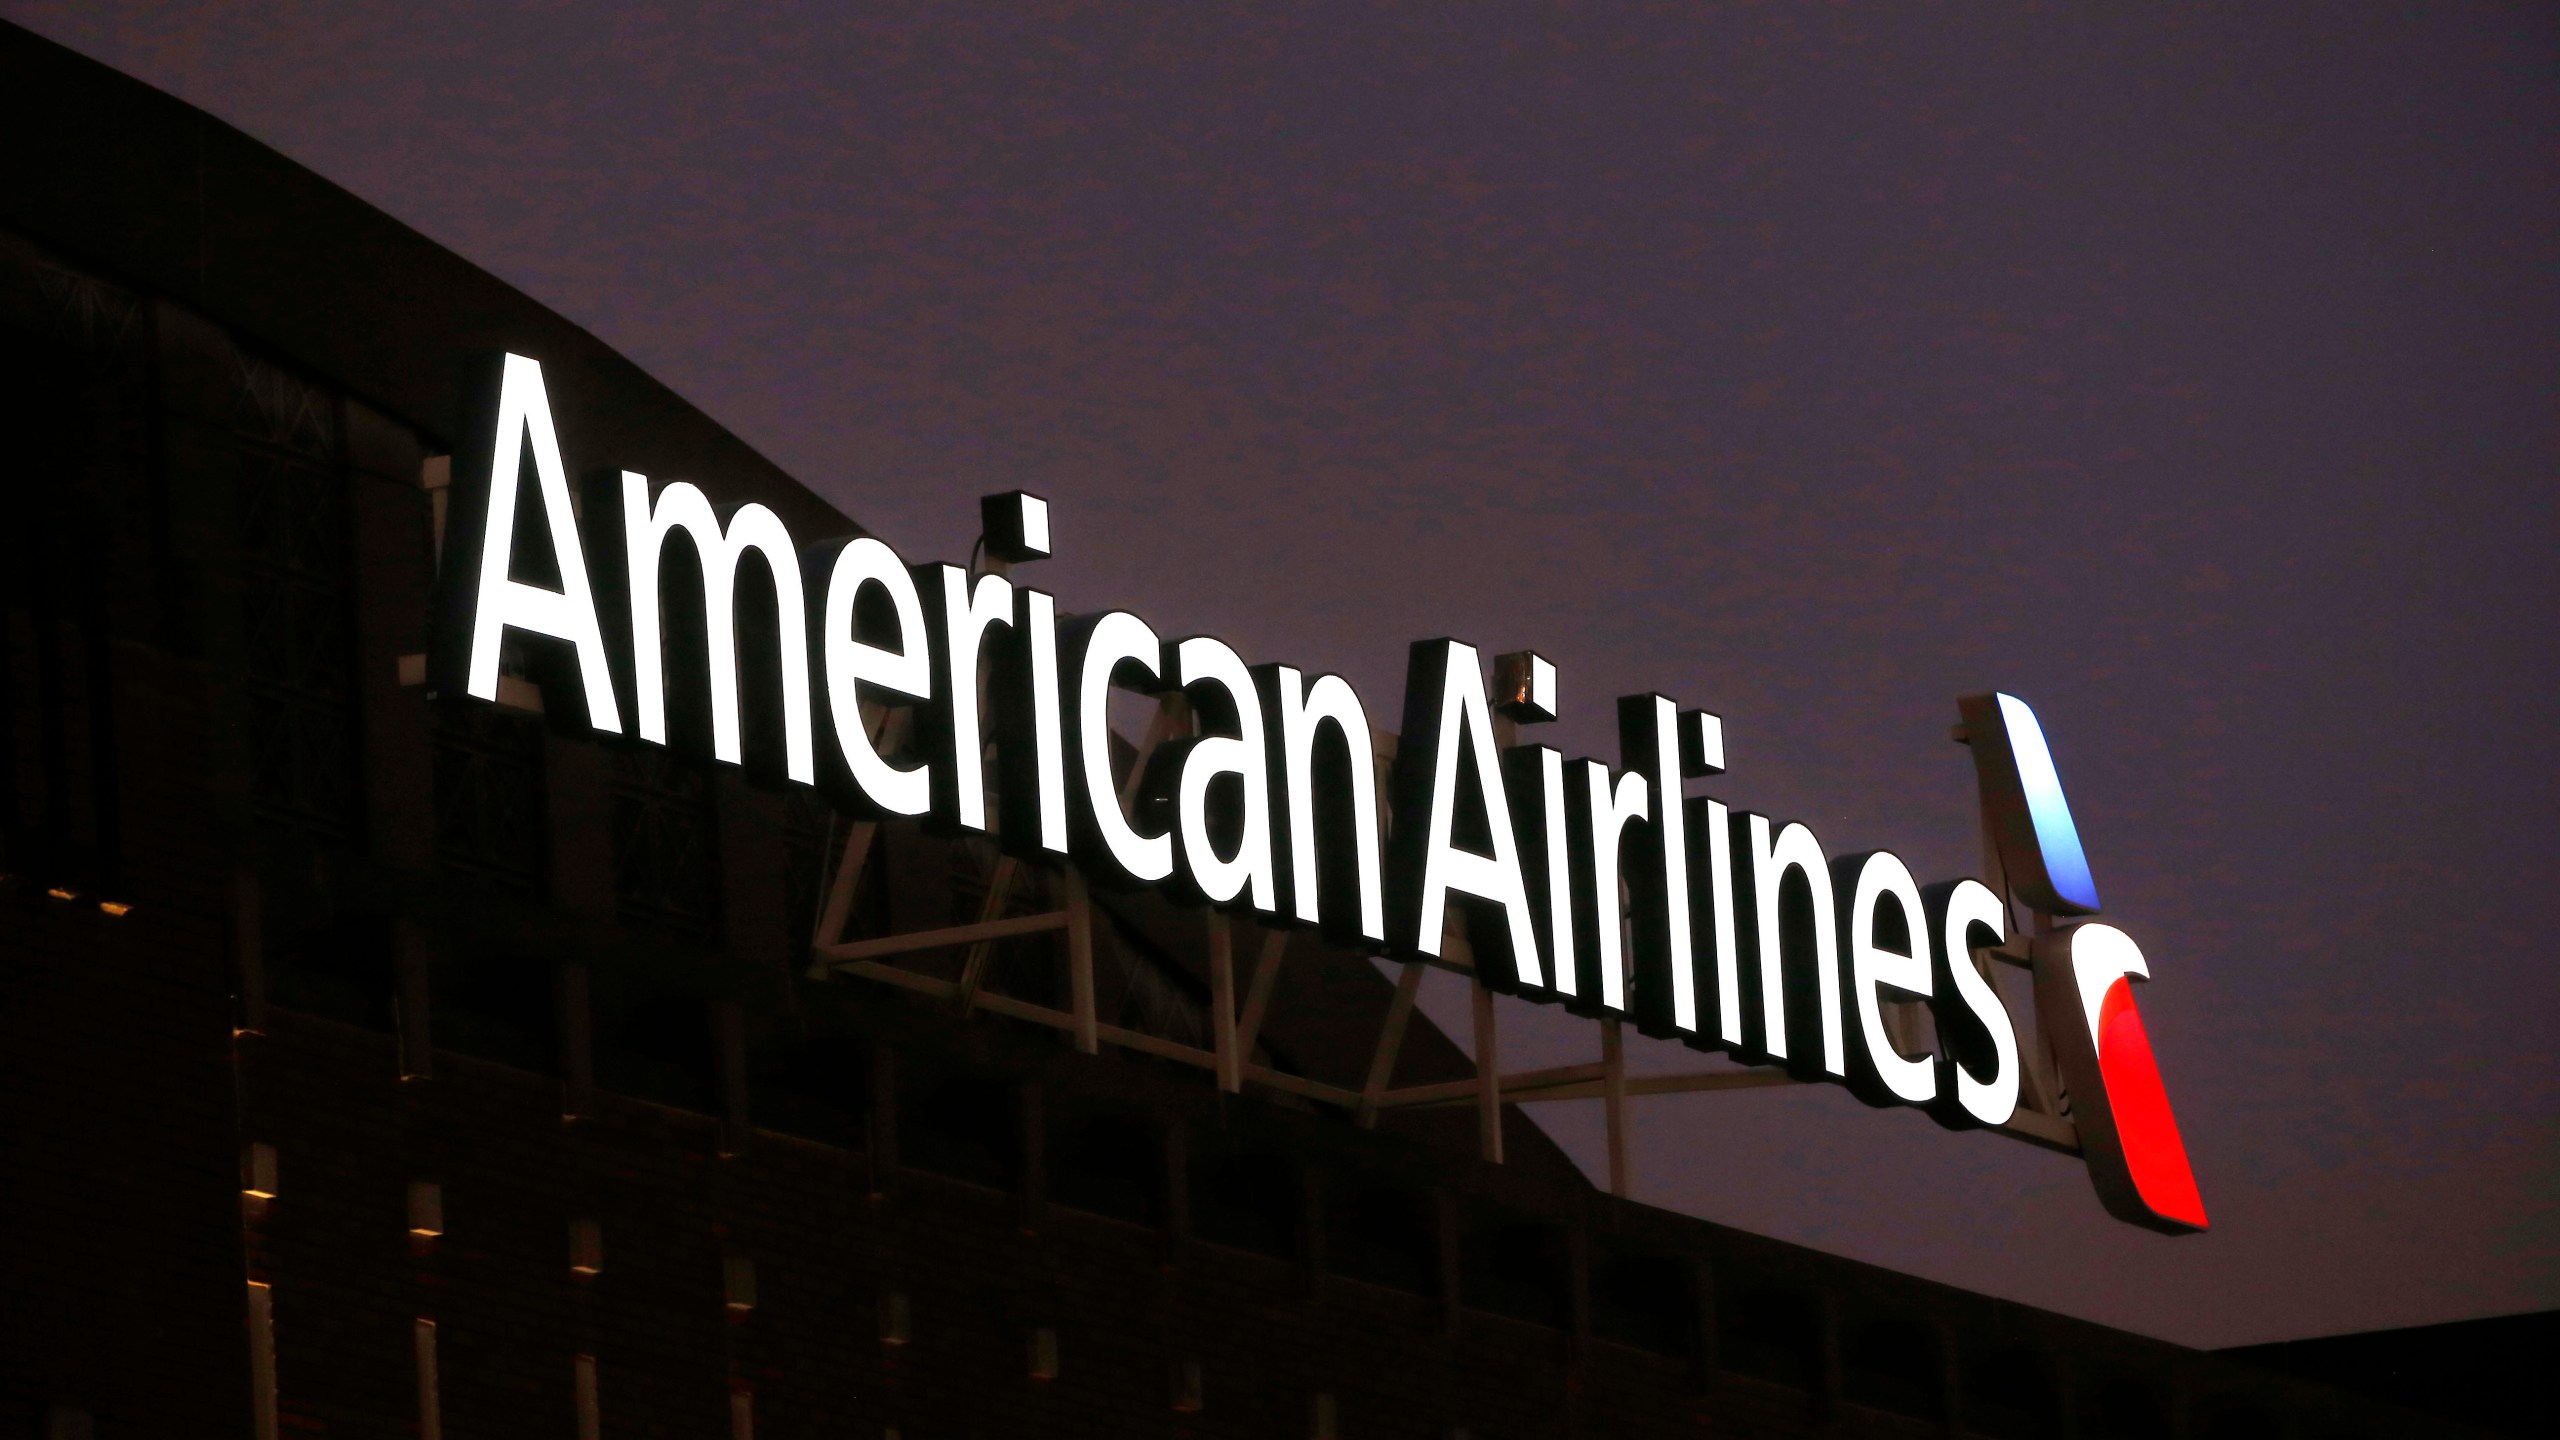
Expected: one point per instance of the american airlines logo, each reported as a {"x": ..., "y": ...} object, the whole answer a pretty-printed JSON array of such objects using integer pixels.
[{"x": 1608, "y": 889}]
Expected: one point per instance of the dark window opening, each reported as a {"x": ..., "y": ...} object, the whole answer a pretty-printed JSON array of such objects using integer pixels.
[
  {"x": 1516, "y": 1268},
  {"x": 497, "y": 1004},
  {"x": 659, "y": 1049},
  {"x": 1893, "y": 1365},
  {"x": 965, "y": 1126},
  {"x": 2010, "y": 1395},
  {"x": 1384, "y": 1236},
  {"x": 666, "y": 859},
  {"x": 2236, "y": 1420},
  {"x": 341, "y": 968},
  {"x": 298, "y": 633},
  {"x": 818, "y": 1089},
  {"x": 1247, "y": 1200},
  {"x": 1646, "y": 1301},
  {"x": 1108, "y": 1164},
  {"x": 2123, "y": 1410},
  {"x": 1774, "y": 1335},
  {"x": 491, "y": 834}
]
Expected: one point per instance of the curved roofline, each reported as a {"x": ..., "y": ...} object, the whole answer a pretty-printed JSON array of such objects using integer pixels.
[{"x": 144, "y": 188}]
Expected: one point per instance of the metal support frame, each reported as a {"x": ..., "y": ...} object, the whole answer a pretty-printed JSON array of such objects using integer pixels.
[{"x": 1236, "y": 1022}]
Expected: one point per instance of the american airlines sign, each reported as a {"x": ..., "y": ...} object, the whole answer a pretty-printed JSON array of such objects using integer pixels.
[{"x": 1603, "y": 888}]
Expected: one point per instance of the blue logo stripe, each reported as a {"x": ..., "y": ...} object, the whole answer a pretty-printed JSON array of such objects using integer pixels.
[{"x": 2056, "y": 837}]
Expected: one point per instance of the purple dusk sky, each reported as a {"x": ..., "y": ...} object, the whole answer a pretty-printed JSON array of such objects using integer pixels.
[{"x": 2195, "y": 375}]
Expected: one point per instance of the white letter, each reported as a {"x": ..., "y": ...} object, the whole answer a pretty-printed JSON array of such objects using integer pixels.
[
  {"x": 524, "y": 413},
  {"x": 906, "y": 671},
  {"x": 1030, "y": 747},
  {"x": 1204, "y": 661},
  {"x": 1600, "y": 822},
  {"x": 1795, "y": 849},
  {"x": 1719, "y": 832},
  {"x": 965, "y": 609},
  {"x": 1883, "y": 876},
  {"x": 1445, "y": 711},
  {"x": 681, "y": 506},
  {"x": 1102, "y": 645},
  {"x": 1970, "y": 905},
  {"x": 1301, "y": 709}
]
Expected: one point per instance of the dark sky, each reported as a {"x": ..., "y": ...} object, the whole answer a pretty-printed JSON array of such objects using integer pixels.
[{"x": 2190, "y": 374}]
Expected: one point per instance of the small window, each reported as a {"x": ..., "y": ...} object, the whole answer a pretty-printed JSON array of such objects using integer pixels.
[
  {"x": 1648, "y": 1301},
  {"x": 499, "y": 1005},
  {"x": 1384, "y": 1236},
  {"x": 2232, "y": 1418},
  {"x": 2010, "y": 1395},
  {"x": 658, "y": 1048},
  {"x": 2123, "y": 1409},
  {"x": 1515, "y": 1267},
  {"x": 818, "y": 1088},
  {"x": 1108, "y": 1164},
  {"x": 1893, "y": 1365},
  {"x": 1773, "y": 1334},
  {"x": 964, "y": 1126},
  {"x": 340, "y": 969},
  {"x": 1246, "y": 1200}
]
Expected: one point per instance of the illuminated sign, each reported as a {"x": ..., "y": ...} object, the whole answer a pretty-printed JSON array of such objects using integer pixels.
[{"x": 1608, "y": 889}]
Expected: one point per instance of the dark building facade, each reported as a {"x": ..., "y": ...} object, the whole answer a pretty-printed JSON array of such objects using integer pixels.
[{"x": 378, "y": 1065}]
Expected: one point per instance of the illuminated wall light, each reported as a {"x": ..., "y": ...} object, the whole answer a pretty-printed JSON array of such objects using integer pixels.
[
  {"x": 586, "y": 1247},
  {"x": 1044, "y": 1354},
  {"x": 262, "y": 1361},
  {"x": 742, "y": 1412},
  {"x": 430, "y": 1397},
  {"x": 897, "y": 1325},
  {"x": 59, "y": 893},
  {"x": 426, "y": 1209},
  {"x": 258, "y": 1173},
  {"x": 738, "y": 1285},
  {"x": 1186, "y": 1387},
  {"x": 590, "y": 1406},
  {"x": 115, "y": 909}
]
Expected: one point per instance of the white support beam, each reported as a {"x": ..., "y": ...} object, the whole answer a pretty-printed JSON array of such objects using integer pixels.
[
  {"x": 1382, "y": 1063},
  {"x": 1300, "y": 1085},
  {"x": 1257, "y": 1000},
  {"x": 837, "y": 908},
  {"x": 973, "y": 970},
  {"x": 833, "y": 956}
]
